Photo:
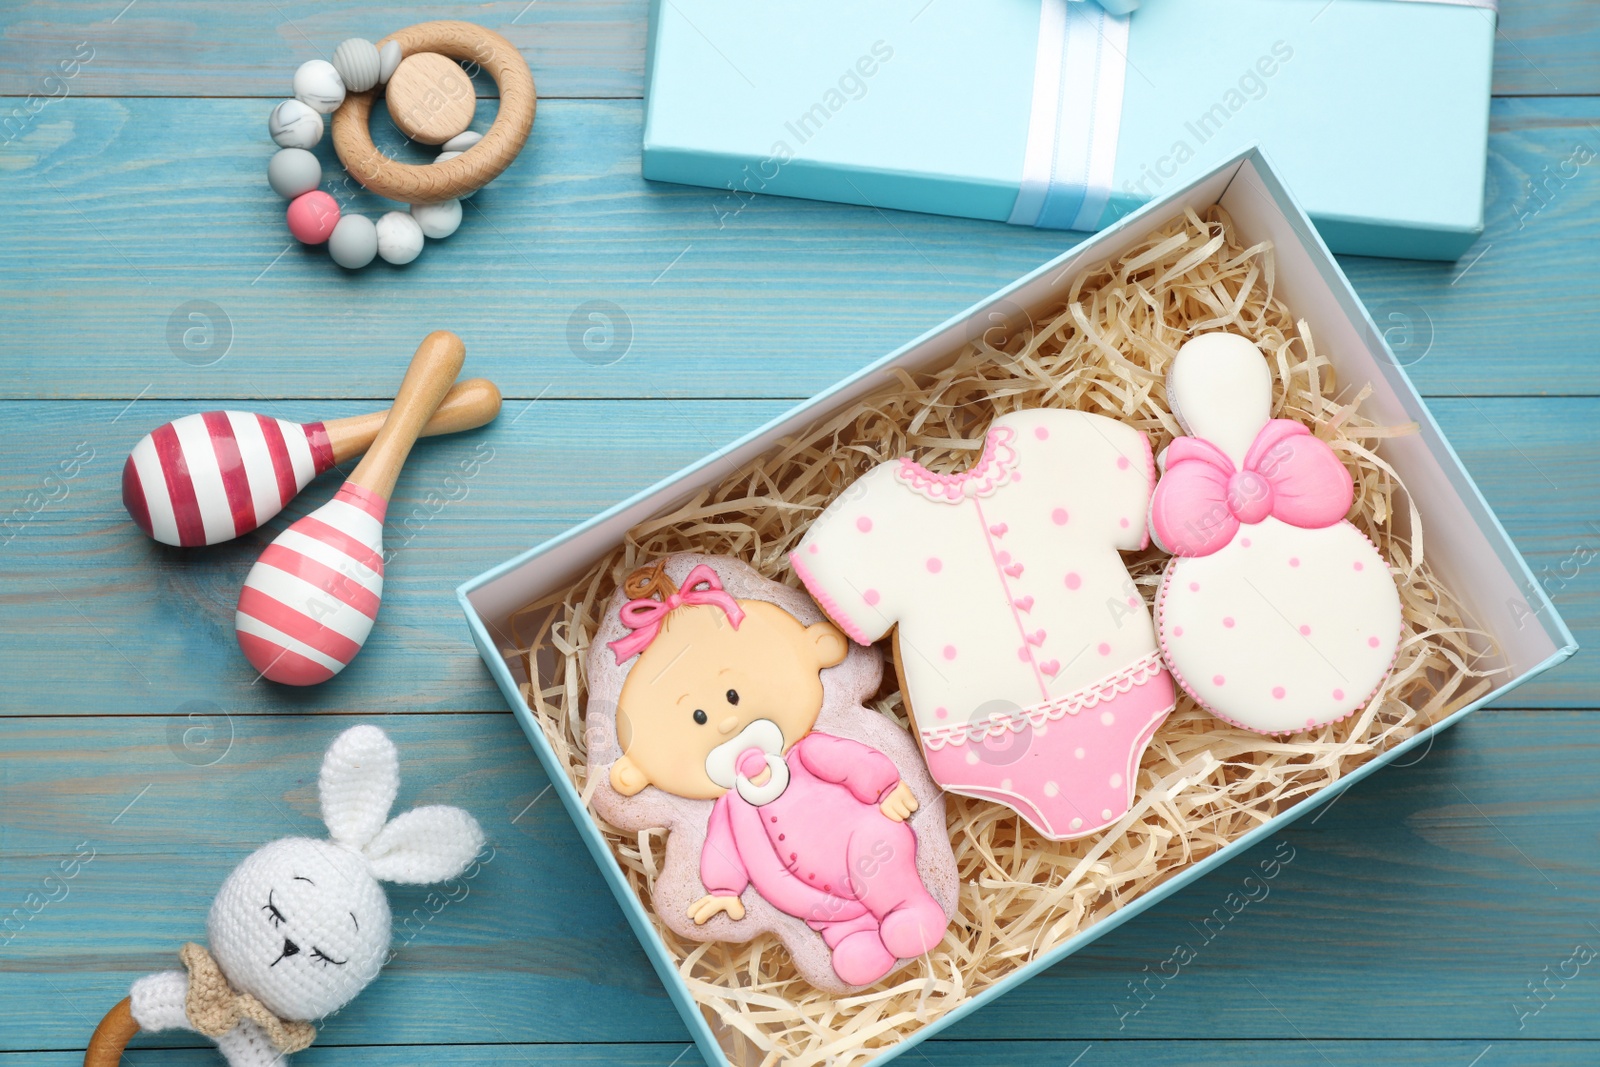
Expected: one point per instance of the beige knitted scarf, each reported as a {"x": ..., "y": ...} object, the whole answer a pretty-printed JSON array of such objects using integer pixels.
[{"x": 214, "y": 1008}]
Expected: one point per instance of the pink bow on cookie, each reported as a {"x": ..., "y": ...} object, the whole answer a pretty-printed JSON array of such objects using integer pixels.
[
  {"x": 644, "y": 617},
  {"x": 1202, "y": 498}
]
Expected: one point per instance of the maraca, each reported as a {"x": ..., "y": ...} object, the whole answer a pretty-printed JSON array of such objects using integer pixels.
[
  {"x": 310, "y": 600},
  {"x": 208, "y": 478}
]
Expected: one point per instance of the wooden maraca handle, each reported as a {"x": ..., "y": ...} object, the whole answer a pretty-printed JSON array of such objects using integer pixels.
[
  {"x": 468, "y": 405},
  {"x": 433, "y": 368},
  {"x": 111, "y": 1036}
]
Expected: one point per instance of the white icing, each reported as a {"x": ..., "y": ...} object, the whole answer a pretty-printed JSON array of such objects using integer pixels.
[
  {"x": 1315, "y": 617},
  {"x": 1220, "y": 389},
  {"x": 1324, "y": 673},
  {"x": 722, "y": 762}
]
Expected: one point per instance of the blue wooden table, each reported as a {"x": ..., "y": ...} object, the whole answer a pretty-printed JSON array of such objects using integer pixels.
[{"x": 1431, "y": 916}]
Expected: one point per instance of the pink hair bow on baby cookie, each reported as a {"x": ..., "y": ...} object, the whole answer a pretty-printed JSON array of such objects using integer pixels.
[
  {"x": 1202, "y": 498},
  {"x": 644, "y": 617}
]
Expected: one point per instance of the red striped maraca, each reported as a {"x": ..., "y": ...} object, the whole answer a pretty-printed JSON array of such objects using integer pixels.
[
  {"x": 211, "y": 477},
  {"x": 310, "y": 600}
]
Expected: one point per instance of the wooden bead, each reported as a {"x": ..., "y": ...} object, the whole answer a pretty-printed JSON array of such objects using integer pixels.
[
  {"x": 473, "y": 169},
  {"x": 430, "y": 98}
]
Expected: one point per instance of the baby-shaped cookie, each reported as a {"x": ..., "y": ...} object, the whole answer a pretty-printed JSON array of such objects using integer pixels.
[
  {"x": 725, "y": 708},
  {"x": 1025, "y": 652},
  {"x": 1275, "y": 613}
]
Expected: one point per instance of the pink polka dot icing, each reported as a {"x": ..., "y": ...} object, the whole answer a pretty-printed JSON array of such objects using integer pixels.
[
  {"x": 1059, "y": 516},
  {"x": 1359, "y": 567},
  {"x": 1194, "y": 587},
  {"x": 1122, "y": 463},
  {"x": 1278, "y": 692},
  {"x": 1073, "y": 580},
  {"x": 871, "y": 597},
  {"x": 1133, "y": 602},
  {"x": 1338, "y": 694},
  {"x": 812, "y": 548},
  {"x": 949, "y": 651},
  {"x": 1177, "y": 631},
  {"x": 1373, "y": 642},
  {"x": 1104, "y": 649},
  {"x": 1041, "y": 433},
  {"x": 934, "y": 565},
  {"x": 1244, "y": 542},
  {"x": 1305, "y": 631},
  {"x": 1123, "y": 522},
  {"x": 1228, "y": 622},
  {"x": 941, "y": 713},
  {"x": 1217, "y": 679},
  {"x": 1294, "y": 561},
  {"x": 864, "y": 524}
]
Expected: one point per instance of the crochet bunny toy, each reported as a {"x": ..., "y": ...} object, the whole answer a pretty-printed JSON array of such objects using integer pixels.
[{"x": 302, "y": 925}]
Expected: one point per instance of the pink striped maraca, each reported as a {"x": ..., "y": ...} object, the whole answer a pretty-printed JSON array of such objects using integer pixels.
[
  {"x": 211, "y": 477},
  {"x": 310, "y": 600}
]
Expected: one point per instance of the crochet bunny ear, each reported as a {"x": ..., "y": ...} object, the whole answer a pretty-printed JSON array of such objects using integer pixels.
[
  {"x": 360, "y": 777},
  {"x": 430, "y": 844}
]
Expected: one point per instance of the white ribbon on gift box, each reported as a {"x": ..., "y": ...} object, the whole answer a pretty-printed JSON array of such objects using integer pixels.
[{"x": 1080, "y": 67}]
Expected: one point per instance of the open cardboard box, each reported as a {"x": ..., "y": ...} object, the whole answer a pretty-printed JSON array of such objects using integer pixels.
[{"x": 1467, "y": 546}]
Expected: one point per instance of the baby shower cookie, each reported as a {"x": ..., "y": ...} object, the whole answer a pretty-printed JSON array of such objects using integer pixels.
[
  {"x": 1275, "y": 613},
  {"x": 1025, "y": 652},
  {"x": 724, "y": 707}
]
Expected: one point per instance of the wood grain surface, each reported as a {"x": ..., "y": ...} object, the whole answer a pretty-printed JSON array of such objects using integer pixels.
[{"x": 1426, "y": 918}]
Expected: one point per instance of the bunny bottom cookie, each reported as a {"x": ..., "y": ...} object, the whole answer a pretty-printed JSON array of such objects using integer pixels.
[{"x": 301, "y": 926}]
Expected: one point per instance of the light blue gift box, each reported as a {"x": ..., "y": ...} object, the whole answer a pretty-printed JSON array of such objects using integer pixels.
[
  {"x": 1467, "y": 547},
  {"x": 1059, "y": 114}
]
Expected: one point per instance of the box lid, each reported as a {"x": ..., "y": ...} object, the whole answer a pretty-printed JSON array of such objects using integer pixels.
[{"x": 1377, "y": 110}]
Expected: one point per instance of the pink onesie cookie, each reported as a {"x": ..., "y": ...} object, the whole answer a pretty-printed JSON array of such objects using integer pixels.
[
  {"x": 1027, "y": 656},
  {"x": 723, "y": 707},
  {"x": 1275, "y": 613}
]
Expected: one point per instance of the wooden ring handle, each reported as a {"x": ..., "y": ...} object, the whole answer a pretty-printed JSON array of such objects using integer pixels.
[
  {"x": 432, "y": 183},
  {"x": 111, "y": 1036}
]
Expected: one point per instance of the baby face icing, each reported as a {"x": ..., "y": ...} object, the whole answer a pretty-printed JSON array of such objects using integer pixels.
[{"x": 711, "y": 706}]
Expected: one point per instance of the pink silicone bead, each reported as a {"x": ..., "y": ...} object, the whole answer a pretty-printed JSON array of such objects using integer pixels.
[{"x": 312, "y": 216}]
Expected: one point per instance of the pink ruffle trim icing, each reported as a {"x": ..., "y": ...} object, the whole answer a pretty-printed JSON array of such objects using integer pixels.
[
  {"x": 1090, "y": 696},
  {"x": 991, "y": 472}
]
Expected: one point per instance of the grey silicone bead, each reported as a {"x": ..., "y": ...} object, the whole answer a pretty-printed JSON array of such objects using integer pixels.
[
  {"x": 293, "y": 171},
  {"x": 354, "y": 242},
  {"x": 356, "y": 60},
  {"x": 388, "y": 59}
]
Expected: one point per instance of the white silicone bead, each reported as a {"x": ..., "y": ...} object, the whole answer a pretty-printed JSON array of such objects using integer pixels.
[
  {"x": 293, "y": 171},
  {"x": 356, "y": 60},
  {"x": 295, "y": 125},
  {"x": 461, "y": 142},
  {"x": 437, "y": 220},
  {"x": 354, "y": 242},
  {"x": 399, "y": 238},
  {"x": 388, "y": 59},
  {"x": 318, "y": 85}
]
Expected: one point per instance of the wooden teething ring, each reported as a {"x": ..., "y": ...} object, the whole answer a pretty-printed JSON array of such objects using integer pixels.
[
  {"x": 433, "y": 183},
  {"x": 111, "y": 1036}
]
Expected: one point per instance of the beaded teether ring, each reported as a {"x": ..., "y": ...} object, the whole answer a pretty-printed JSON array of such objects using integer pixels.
[{"x": 431, "y": 101}]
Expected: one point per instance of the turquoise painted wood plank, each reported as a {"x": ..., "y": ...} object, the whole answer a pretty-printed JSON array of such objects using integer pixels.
[
  {"x": 1420, "y": 905},
  {"x": 1335, "y": 1053},
  {"x": 118, "y": 235},
  {"x": 191, "y": 48},
  {"x": 79, "y": 584}
]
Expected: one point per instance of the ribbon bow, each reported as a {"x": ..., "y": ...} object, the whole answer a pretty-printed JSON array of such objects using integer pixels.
[
  {"x": 214, "y": 1007},
  {"x": 1202, "y": 499},
  {"x": 644, "y": 617}
]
